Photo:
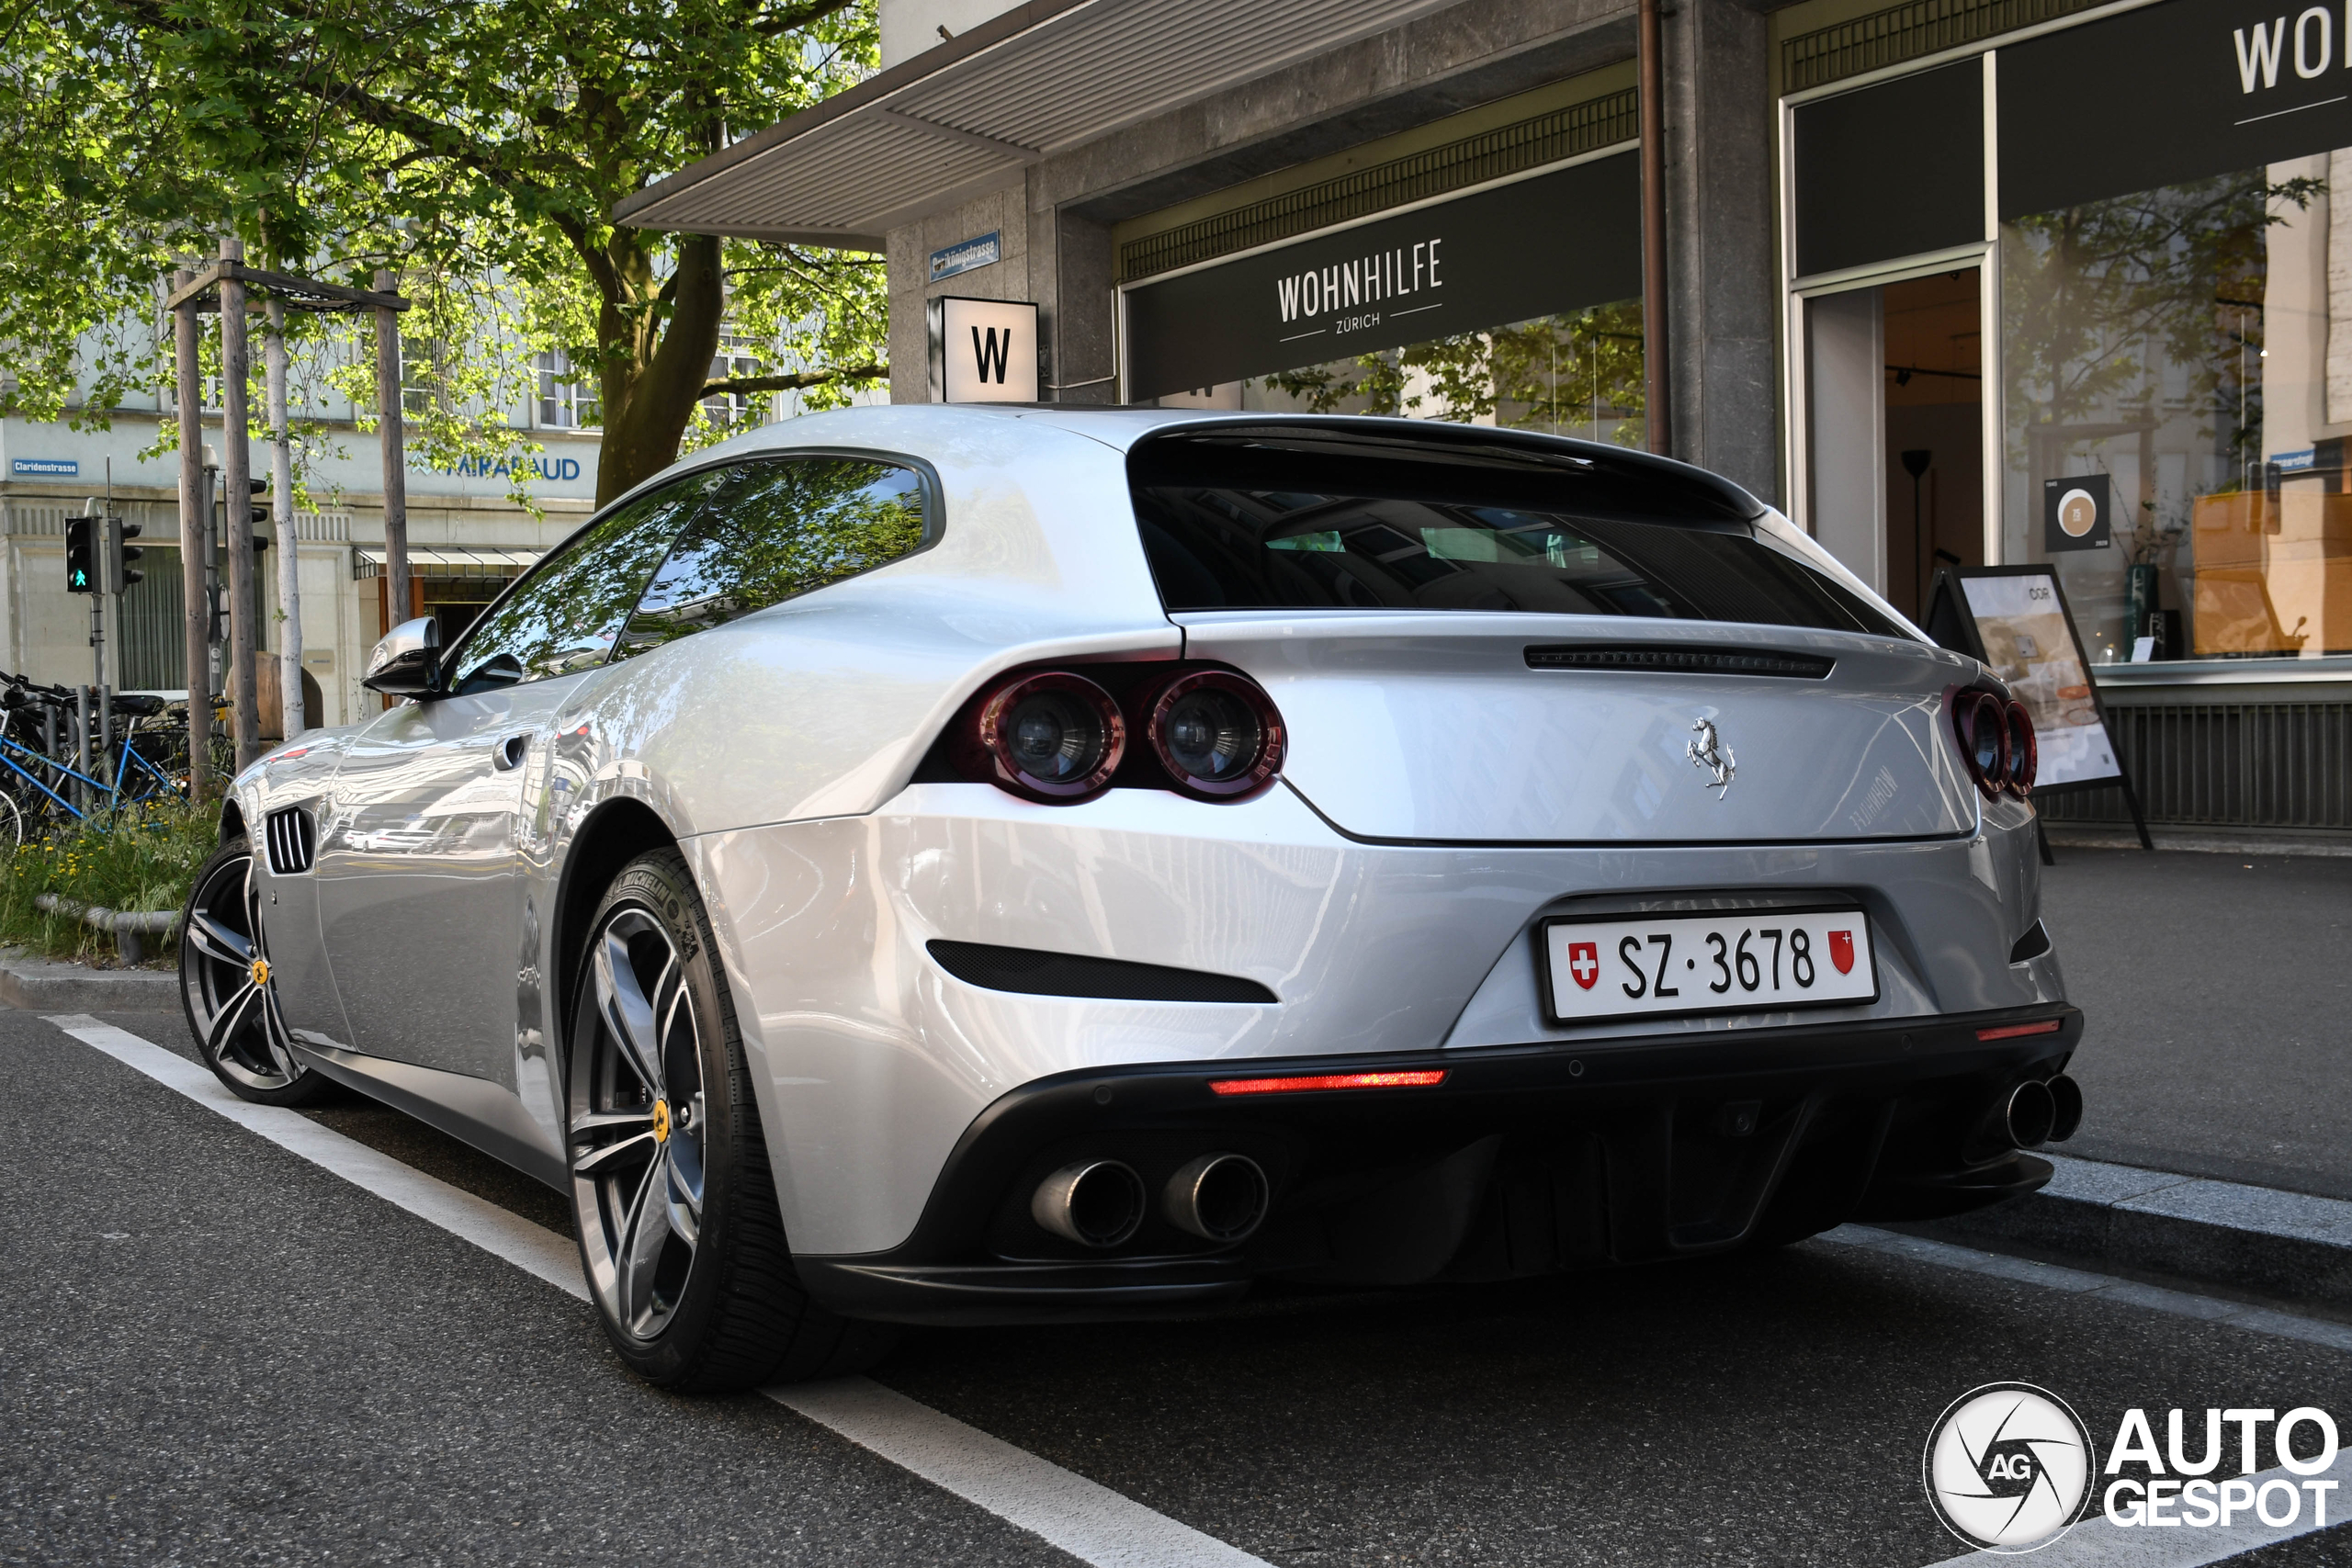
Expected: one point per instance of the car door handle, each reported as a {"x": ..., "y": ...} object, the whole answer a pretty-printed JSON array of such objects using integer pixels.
[{"x": 510, "y": 752}]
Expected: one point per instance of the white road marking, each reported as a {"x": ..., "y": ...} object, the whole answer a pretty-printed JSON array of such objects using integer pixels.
[
  {"x": 2106, "y": 1287},
  {"x": 1091, "y": 1523},
  {"x": 2095, "y": 1543}
]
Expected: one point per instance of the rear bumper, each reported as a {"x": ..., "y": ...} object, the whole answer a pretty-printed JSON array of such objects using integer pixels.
[{"x": 1524, "y": 1160}]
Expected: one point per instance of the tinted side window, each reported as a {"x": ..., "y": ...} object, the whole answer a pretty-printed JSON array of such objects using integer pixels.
[
  {"x": 565, "y": 614},
  {"x": 775, "y": 528}
]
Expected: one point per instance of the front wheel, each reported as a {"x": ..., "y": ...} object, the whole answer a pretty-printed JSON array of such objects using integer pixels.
[
  {"x": 672, "y": 1194},
  {"x": 225, "y": 986}
]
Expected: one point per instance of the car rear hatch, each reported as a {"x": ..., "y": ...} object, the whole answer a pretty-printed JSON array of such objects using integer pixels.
[
  {"x": 1520, "y": 728},
  {"x": 1478, "y": 636}
]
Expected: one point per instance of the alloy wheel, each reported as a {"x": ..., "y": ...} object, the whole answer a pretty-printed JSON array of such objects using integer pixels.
[
  {"x": 638, "y": 1122},
  {"x": 224, "y": 969}
]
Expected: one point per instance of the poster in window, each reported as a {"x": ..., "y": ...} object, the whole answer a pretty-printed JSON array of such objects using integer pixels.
[
  {"x": 2076, "y": 513},
  {"x": 2029, "y": 640}
]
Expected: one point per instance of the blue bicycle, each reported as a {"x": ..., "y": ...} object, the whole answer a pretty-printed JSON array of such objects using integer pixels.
[{"x": 36, "y": 787}]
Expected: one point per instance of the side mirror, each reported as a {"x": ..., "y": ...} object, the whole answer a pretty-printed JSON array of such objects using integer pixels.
[{"x": 407, "y": 663}]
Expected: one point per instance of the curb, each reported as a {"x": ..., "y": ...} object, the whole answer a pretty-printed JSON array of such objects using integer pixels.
[
  {"x": 2256, "y": 1240},
  {"x": 39, "y": 986}
]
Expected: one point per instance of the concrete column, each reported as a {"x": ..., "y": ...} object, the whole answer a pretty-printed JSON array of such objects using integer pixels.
[
  {"x": 1719, "y": 241},
  {"x": 1072, "y": 277}
]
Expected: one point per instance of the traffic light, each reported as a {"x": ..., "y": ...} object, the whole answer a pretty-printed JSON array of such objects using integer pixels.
[
  {"x": 259, "y": 487},
  {"x": 81, "y": 563},
  {"x": 121, "y": 572}
]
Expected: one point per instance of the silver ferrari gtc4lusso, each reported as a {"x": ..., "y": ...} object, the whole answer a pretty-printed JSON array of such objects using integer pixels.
[{"x": 935, "y": 865}]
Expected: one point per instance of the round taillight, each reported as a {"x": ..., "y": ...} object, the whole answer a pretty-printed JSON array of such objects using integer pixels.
[
  {"x": 1982, "y": 729},
  {"x": 1217, "y": 733},
  {"x": 2025, "y": 753},
  {"x": 1055, "y": 736}
]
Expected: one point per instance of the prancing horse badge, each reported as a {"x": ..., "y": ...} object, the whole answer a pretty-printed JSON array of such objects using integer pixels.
[{"x": 1711, "y": 755}]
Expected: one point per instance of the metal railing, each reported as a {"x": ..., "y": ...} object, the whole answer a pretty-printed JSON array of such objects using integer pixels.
[{"x": 2263, "y": 765}]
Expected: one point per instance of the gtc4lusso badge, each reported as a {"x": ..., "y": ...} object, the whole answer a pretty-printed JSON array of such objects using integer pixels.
[{"x": 1709, "y": 753}]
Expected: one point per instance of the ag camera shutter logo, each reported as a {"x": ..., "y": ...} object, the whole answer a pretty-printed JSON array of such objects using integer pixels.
[{"x": 2009, "y": 1467}]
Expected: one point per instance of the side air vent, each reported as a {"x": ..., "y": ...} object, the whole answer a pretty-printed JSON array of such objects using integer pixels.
[
  {"x": 2033, "y": 945},
  {"x": 1039, "y": 974},
  {"x": 292, "y": 841},
  {"x": 1669, "y": 658}
]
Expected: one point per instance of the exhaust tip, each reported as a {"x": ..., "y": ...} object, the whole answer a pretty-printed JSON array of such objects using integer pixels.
[
  {"x": 2066, "y": 1097},
  {"x": 1218, "y": 1197},
  {"x": 1095, "y": 1203},
  {"x": 2029, "y": 1115}
]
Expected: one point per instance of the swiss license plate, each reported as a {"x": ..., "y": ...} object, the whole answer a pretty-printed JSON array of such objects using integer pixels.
[{"x": 1753, "y": 960}]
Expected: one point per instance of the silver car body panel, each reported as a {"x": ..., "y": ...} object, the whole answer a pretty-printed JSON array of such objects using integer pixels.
[{"x": 1440, "y": 798}]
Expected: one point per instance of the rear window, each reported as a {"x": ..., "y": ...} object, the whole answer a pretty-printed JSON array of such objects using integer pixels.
[{"x": 1290, "y": 518}]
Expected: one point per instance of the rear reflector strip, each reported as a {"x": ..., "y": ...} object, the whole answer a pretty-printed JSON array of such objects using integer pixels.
[
  {"x": 1428, "y": 1079},
  {"x": 2011, "y": 1031}
]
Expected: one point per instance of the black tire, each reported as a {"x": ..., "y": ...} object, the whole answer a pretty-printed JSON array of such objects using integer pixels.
[
  {"x": 228, "y": 993},
  {"x": 665, "y": 1112}
]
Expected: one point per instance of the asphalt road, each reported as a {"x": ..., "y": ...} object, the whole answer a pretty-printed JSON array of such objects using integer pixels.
[
  {"x": 2217, "y": 998},
  {"x": 224, "y": 1354}
]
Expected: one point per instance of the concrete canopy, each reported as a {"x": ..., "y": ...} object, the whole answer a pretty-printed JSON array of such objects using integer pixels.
[{"x": 970, "y": 116}]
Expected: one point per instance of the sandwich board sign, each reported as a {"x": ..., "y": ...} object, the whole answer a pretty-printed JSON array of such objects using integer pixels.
[
  {"x": 2015, "y": 619},
  {"x": 983, "y": 351}
]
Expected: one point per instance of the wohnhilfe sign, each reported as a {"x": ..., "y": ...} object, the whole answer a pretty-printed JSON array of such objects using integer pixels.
[{"x": 1545, "y": 243}]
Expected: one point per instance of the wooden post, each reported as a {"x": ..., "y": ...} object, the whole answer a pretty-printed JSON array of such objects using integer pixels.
[
  {"x": 190, "y": 396},
  {"x": 292, "y": 719},
  {"x": 1659, "y": 388},
  {"x": 387, "y": 433},
  {"x": 236, "y": 484}
]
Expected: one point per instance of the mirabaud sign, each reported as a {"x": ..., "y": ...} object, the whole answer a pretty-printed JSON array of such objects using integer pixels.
[{"x": 1531, "y": 247}]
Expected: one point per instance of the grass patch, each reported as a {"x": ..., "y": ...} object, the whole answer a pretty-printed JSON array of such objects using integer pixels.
[{"x": 143, "y": 857}]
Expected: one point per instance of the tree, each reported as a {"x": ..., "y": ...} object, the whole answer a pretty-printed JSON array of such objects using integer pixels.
[
  {"x": 476, "y": 150},
  {"x": 1564, "y": 374}
]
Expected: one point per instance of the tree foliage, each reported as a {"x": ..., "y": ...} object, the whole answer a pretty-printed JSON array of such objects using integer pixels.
[
  {"x": 1571, "y": 373},
  {"x": 475, "y": 148}
]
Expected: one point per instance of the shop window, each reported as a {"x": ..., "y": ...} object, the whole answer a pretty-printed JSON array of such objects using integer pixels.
[
  {"x": 2179, "y": 392},
  {"x": 1891, "y": 170},
  {"x": 1513, "y": 305},
  {"x": 1579, "y": 373}
]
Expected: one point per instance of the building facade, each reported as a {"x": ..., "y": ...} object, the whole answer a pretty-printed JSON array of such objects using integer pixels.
[
  {"x": 1945, "y": 278},
  {"x": 467, "y": 536}
]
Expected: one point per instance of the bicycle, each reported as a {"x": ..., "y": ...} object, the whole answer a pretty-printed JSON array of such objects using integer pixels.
[
  {"x": 35, "y": 786},
  {"x": 24, "y": 792}
]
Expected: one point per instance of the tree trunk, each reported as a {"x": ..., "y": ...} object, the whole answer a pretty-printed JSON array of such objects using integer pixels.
[{"x": 650, "y": 387}]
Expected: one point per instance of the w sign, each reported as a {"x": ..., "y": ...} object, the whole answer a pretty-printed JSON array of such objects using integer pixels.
[{"x": 983, "y": 351}]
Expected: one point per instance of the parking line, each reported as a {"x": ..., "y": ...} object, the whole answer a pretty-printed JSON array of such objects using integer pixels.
[
  {"x": 1091, "y": 1523},
  {"x": 2106, "y": 1287}
]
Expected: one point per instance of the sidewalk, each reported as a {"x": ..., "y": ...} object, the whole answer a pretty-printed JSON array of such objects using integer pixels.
[{"x": 2217, "y": 995}]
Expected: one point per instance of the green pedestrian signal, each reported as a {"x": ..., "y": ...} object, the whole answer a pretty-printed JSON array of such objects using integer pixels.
[{"x": 81, "y": 560}]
